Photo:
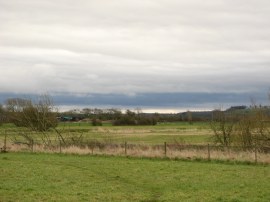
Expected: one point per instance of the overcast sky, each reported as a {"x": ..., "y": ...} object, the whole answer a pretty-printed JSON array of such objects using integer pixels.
[{"x": 131, "y": 48}]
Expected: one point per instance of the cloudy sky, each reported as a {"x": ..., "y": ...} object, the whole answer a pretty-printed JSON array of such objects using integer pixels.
[{"x": 150, "y": 53}]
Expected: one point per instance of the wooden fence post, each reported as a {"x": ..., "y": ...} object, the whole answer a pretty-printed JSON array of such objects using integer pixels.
[
  {"x": 32, "y": 145},
  {"x": 208, "y": 151},
  {"x": 125, "y": 148},
  {"x": 60, "y": 146},
  {"x": 93, "y": 146},
  {"x": 165, "y": 149},
  {"x": 256, "y": 151},
  {"x": 5, "y": 143}
]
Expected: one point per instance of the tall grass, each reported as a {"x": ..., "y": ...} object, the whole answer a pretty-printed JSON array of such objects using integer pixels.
[{"x": 153, "y": 151}]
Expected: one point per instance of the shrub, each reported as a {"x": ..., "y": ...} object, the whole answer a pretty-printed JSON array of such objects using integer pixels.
[{"x": 96, "y": 122}]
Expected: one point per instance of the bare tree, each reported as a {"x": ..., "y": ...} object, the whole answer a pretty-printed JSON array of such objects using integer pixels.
[
  {"x": 36, "y": 115},
  {"x": 253, "y": 129},
  {"x": 248, "y": 129},
  {"x": 222, "y": 126},
  {"x": 244, "y": 135}
]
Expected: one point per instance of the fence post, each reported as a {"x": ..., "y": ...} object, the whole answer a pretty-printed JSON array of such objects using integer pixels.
[
  {"x": 256, "y": 151},
  {"x": 93, "y": 146},
  {"x": 32, "y": 145},
  {"x": 5, "y": 142},
  {"x": 208, "y": 151},
  {"x": 60, "y": 146},
  {"x": 165, "y": 149},
  {"x": 125, "y": 148}
]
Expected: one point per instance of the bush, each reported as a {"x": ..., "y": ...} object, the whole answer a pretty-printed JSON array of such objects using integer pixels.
[
  {"x": 96, "y": 122},
  {"x": 248, "y": 130},
  {"x": 253, "y": 129}
]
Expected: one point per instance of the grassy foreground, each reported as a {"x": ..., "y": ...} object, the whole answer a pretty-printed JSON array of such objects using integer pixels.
[{"x": 53, "y": 177}]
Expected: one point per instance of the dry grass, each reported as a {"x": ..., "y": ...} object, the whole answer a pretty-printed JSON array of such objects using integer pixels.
[
  {"x": 160, "y": 131},
  {"x": 149, "y": 151}
]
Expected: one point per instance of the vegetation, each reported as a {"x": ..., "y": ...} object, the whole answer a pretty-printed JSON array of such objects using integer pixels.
[
  {"x": 131, "y": 118},
  {"x": 253, "y": 129},
  {"x": 177, "y": 132},
  {"x": 30, "y": 117},
  {"x": 222, "y": 126},
  {"x": 58, "y": 177},
  {"x": 247, "y": 130},
  {"x": 47, "y": 177},
  {"x": 96, "y": 122},
  {"x": 37, "y": 116},
  {"x": 234, "y": 131},
  {"x": 182, "y": 139}
]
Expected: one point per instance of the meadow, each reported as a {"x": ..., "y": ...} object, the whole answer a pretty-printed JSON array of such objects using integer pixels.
[
  {"x": 59, "y": 177},
  {"x": 183, "y": 132},
  {"x": 172, "y": 140},
  {"x": 169, "y": 132}
]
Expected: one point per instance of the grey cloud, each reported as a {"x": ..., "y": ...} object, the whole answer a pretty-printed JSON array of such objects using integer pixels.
[
  {"x": 147, "y": 101},
  {"x": 130, "y": 47}
]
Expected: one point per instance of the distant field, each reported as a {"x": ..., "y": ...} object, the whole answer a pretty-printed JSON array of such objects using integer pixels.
[
  {"x": 53, "y": 177},
  {"x": 197, "y": 133}
]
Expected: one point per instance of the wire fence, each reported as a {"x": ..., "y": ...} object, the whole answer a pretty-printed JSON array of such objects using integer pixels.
[{"x": 164, "y": 149}]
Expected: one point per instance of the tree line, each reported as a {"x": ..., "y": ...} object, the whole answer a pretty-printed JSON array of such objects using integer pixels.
[{"x": 41, "y": 114}]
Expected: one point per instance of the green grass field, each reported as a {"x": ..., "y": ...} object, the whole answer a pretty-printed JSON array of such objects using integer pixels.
[
  {"x": 197, "y": 133},
  {"x": 54, "y": 177}
]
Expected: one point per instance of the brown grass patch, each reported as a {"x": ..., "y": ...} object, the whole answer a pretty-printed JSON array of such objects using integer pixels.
[{"x": 156, "y": 151}]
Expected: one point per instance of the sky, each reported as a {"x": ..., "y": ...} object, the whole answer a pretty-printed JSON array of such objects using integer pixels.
[{"x": 158, "y": 54}]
